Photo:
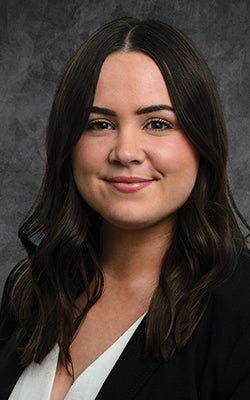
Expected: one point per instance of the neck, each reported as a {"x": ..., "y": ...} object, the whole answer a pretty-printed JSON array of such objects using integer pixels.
[{"x": 131, "y": 255}]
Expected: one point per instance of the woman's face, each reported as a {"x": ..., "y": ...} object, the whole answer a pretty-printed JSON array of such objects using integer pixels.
[{"x": 133, "y": 164}]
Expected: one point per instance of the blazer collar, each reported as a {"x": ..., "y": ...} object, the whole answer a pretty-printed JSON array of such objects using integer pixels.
[
  {"x": 126, "y": 378},
  {"x": 131, "y": 370}
]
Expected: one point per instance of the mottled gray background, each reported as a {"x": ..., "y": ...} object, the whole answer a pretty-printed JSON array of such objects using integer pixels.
[{"x": 37, "y": 37}]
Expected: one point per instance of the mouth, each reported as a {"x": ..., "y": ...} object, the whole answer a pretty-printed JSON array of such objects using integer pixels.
[{"x": 129, "y": 184}]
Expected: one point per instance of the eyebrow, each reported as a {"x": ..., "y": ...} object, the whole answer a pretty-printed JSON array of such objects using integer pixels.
[
  {"x": 140, "y": 111},
  {"x": 101, "y": 110},
  {"x": 157, "y": 107}
]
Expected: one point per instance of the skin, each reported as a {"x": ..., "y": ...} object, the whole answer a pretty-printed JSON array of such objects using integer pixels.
[
  {"x": 126, "y": 138},
  {"x": 132, "y": 143}
]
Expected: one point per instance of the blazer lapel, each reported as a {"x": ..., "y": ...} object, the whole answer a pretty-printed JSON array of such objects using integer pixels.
[{"x": 131, "y": 370}]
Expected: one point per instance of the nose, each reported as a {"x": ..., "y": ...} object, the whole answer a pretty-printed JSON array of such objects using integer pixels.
[{"x": 127, "y": 149}]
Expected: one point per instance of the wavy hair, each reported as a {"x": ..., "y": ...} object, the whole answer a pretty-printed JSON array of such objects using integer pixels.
[{"x": 61, "y": 233}]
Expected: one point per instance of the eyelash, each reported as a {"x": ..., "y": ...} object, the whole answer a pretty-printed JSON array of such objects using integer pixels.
[
  {"x": 95, "y": 125},
  {"x": 103, "y": 124},
  {"x": 158, "y": 121}
]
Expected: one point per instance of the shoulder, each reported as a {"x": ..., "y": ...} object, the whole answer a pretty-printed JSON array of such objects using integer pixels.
[
  {"x": 7, "y": 319},
  {"x": 229, "y": 311},
  {"x": 238, "y": 281},
  {"x": 224, "y": 334},
  {"x": 9, "y": 344},
  {"x": 231, "y": 300},
  {"x": 13, "y": 275},
  {"x": 231, "y": 332},
  {"x": 226, "y": 321}
]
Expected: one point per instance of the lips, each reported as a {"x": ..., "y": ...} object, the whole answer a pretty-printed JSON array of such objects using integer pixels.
[{"x": 128, "y": 184}]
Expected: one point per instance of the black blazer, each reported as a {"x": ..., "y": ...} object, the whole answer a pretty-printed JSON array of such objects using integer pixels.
[{"x": 214, "y": 365}]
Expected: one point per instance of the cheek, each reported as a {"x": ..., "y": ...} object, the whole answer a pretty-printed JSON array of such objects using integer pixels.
[
  {"x": 84, "y": 157},
  {"x": 179, "y": 158}
]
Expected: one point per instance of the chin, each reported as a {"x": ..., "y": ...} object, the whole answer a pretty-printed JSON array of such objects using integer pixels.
[
  {"x": 134, "y": 223},
  {"x": 127, "y": 223}
]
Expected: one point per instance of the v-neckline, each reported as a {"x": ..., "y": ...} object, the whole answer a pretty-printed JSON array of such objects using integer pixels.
[
  {"x": 131, "y": 371},
  {"x": 109, "y": 357}
]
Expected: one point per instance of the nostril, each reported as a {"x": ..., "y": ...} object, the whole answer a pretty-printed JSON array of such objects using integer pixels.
[{"x": 126, "y": 155}]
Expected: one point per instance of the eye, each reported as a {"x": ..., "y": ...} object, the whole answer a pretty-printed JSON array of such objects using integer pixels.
[
  {"x": 159, "y": 125},
  {"x": 98, "y": 125}
]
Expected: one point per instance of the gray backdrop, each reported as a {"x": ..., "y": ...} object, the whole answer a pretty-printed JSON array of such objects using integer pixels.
[{"x": 37, "y": 37}]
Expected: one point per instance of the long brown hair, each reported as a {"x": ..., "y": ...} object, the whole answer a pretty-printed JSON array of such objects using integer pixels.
[{"x": 61, "y": 234}]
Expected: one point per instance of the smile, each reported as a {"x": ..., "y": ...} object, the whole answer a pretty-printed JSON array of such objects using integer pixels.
[{"x": 129, "y": 184}]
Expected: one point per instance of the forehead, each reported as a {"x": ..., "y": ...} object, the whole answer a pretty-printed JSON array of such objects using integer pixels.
[{"x": 131, "y": 75}]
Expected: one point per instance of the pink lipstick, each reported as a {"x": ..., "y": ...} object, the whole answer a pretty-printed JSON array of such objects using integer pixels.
[{"x": 129, "y": 184}]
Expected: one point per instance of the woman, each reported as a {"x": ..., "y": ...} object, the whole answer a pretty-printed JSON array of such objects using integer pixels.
[{"x": 137, "y": 275}]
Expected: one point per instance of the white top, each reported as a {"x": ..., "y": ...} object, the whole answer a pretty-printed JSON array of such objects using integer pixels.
[{"x": 37, "y": 379}]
